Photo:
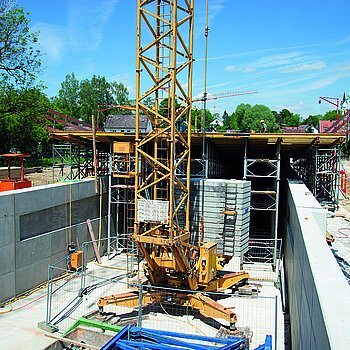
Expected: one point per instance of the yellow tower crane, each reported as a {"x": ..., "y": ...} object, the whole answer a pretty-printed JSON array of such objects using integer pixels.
[{"x": 162, "y": 197}]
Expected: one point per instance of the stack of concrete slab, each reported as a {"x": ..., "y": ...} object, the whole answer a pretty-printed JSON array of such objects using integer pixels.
[
  {"x": 237, "y": 217},
  {"x": 226, "y": 212}
]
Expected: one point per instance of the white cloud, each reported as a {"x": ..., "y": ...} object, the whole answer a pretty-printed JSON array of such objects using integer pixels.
[
  {"x": 244, "y": 69},
  {"x": 231, "y": 68},
  {"x": 313, "y": 85},
  {"x": 319, "y": 65},
  {"x": 120, "y": 77},
  {"x": 86, "y": 22},
  {"x": 215, "y": 7},
  {"x": 278, "y": 59},
  {"x": 344, "y": 67},
  {"x": 271, "y": 61},
  {"x": 293, "y": 107},
  {"x": 225, "y": 83},
  {"x": 51, "y": 39}
]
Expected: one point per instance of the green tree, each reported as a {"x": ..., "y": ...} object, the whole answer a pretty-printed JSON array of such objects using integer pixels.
[
  {"x": 233, "y": 122},
  {"x": 240, "y": 112},
  {"x": 278, "y": 118},
  {"x": 292, "y": 119},
  {"x": 283, "y": 116},
  {"x": 253, "y": 116},
  {"x": 22, "y": 121},
  {"x": 330, "y": 115},
  {"x": 313, "y": 119},
  {"x": 19, "y": 56},
  {"x": 68, "y": 96},
  {"x": 164, "y": 108},
  {"x": 120, "y": 95},
  {"x": 196, "y": 120},
  {"x": 92, "y": 93},
  {"x": 82, "y": 99},
  {"x": 226, "y": 119}
]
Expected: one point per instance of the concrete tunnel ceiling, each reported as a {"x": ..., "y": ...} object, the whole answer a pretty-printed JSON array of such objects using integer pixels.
[{"x": 227, "y": 144}]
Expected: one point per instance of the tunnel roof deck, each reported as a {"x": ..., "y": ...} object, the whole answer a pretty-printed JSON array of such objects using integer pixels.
[{"x": 227, "y": 142}]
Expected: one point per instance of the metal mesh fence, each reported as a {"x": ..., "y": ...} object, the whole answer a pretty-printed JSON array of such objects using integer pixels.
[
  {"x": 75, "y": 294},
  {"x": 259, "y": 261}
]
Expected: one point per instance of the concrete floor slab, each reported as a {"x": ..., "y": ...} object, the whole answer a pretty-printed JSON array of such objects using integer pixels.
[{"x": 19, "y": 327}]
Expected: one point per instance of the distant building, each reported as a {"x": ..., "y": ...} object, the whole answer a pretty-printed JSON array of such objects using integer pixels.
[
  {"x": 126, "y": 123},
  {"x": 294, "y": 129},
  {"x": 325, "y": 125},
  {"x": 215, "y": 123}
]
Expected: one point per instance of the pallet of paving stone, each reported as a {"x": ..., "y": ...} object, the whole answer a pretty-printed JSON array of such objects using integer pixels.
[
  {"x": 236, "y": 244},
  {"x": 237, "y": 225},
  {"x": 238, "y": 205},
  {"x": 212, "y": 193},
  {"x": 241, "y": 245},
  {"x": 213, "y": 219},
  {"x": 213, "y": 226},
  {"x": 237, "y": 236},
  {"x": 210, "y": 208}
]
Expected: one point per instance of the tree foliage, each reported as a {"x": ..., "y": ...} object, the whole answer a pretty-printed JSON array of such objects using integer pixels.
[
  {"x": 253, "y": 115},
  {"x": 226, "y": 119},
  {"x": 240, "y": 112},
  {"x": 22, "y": 104},
  {"x": 83, "y": 99},
  {"x": 233, "y": 121},
  {"x": 22, "y": 122},
  {"x": 292, "y": 120},
  {"x": 19, "y": 56},
  {"x": 68, "y": 96},
  {"x": 330, "y": 115}
]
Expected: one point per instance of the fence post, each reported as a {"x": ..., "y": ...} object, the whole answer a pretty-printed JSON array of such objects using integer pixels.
[
  {"x": 276, "y": 320},
  {"x": 49, "y": 294},
  {"x": 140, "y": 307},
  {"x": 83, "y": 272}
]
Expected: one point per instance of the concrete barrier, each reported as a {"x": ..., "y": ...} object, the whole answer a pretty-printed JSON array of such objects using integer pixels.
[
  {"x": 36, "y": 225},
  {"x": 317, "y": 290}
]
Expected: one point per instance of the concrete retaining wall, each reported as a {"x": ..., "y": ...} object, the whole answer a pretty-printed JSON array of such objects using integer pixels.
[
  {"x": 34, "y": 232},
  {"x": 318, "y": 293}
]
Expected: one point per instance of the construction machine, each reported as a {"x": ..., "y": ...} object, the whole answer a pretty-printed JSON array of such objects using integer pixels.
[{"x": 162, "y": 193}]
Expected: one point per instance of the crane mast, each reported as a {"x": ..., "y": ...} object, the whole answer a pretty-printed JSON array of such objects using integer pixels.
[
  {"x": 163, "y": 67},
  {"x": 162, "y": 196}
]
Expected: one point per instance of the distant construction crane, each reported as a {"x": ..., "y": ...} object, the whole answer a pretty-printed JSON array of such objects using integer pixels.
[
  {"x": 225, "y": 95},
  {"x": 333, "y": 101}
]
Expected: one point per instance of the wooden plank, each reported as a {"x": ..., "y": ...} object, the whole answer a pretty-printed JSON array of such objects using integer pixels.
[{"x": 88, "y": 222}]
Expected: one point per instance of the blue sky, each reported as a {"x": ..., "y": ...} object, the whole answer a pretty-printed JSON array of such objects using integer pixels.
[{"x": 292, "y": 52}]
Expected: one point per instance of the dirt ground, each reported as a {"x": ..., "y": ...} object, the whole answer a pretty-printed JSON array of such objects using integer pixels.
[{"x": 47, "y": 177}]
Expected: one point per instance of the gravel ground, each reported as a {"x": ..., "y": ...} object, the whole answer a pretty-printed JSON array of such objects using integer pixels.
[{"x": 45, "y": 177}]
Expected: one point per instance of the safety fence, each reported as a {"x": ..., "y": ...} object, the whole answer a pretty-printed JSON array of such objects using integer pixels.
[
  {"x": 72, "y": 295},
  {"x": 263, "y": 259}
]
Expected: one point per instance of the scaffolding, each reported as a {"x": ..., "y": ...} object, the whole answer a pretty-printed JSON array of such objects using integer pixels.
[
  {"x": 75, "y": 162},
  {"x": 121, "y": 200},
  {"x": 319, "y": 169},
  {"x": 265, "y": 175}
]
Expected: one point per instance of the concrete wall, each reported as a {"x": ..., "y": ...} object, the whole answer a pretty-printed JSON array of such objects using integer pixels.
[
  {"x": 318, "y": 293},
  {"x": 33, "y": 232}
]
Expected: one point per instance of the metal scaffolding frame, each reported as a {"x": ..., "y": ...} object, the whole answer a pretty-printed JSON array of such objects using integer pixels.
[
  {"x": 319, "y": 169},
  {"x": 121, "y": 200},
  {"x": 211, "y": 167},
  {"x": 76, "y": 161},
  {"x": 265, "y": 175}
]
